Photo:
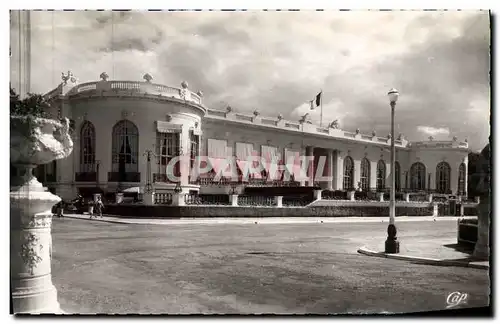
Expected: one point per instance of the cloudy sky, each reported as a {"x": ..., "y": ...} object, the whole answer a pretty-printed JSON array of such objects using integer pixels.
[{"x": 277, "y": 61}]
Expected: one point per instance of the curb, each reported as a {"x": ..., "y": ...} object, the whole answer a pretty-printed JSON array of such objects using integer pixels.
[
  {"x": 245, "y": 220},
  {"x": 114, "y": 221},
  {"x": 422, "y": 260}
]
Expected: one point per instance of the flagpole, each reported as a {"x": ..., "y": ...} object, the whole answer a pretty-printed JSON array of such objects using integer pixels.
[{"x": 321, "y": 113}]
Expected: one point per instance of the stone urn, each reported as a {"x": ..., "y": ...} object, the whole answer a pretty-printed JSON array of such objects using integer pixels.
[{"x": 33, "y": 141}]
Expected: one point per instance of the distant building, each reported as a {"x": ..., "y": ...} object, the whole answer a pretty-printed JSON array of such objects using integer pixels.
[{"x": 115, "y": 122}]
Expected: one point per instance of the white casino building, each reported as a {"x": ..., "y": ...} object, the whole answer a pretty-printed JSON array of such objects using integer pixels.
[{"x": 116, "y": 122}]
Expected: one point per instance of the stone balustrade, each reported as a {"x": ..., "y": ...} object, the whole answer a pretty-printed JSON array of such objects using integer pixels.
[
  {"x": 132, "y": 88},
  {"x": 279, "y": 123},
  {"x": 440, "y": 144}
]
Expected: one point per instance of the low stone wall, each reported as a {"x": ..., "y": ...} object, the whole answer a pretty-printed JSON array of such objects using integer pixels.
[{"x": 137, "y": 211}]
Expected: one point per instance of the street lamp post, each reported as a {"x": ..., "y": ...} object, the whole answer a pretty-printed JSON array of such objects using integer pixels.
[
  {"x": 392, "y": 244},
  {"x": 149, "y": 187}
]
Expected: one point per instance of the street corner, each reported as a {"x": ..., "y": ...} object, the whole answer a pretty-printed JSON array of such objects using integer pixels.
[{"x": 425, "y": 260}]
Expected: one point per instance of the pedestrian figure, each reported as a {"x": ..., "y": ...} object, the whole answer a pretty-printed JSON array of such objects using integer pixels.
[
  {"x": 60, "y": 209},
  {"x": 91, "y": 208},
  {"x": 99, "y": 206}
]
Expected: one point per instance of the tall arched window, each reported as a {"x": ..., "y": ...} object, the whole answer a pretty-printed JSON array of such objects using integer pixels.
[
  {"x": 443, "y": 172},
  {"x": 365, "y": 174},
  {"x": 397, "y": 175},
  {"x": 348, "y": 173},
  {"x": 125, "y": 147},
  {"x": 87, "y": 147},
  {"x": 381, "y": 171},
  {"x": 461, "y": 179},
  {"x": 417, "y": 176}
]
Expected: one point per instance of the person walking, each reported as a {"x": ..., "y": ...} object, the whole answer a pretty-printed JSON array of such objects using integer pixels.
[
  {"x": 99, "y": 206},
  {"x": 91, "y": 205}
]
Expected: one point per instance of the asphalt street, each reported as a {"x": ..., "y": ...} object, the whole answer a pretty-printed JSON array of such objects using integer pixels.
[{"x": 102, "y": 267}]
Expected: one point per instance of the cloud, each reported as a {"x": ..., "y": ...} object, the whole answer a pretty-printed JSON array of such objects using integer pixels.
[
  {"x": 276, "y": 61},
  {"x": 433, "y": 131}
]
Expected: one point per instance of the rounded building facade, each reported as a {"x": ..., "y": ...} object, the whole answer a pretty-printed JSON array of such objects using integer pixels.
[{"x": 130, "y": 134}]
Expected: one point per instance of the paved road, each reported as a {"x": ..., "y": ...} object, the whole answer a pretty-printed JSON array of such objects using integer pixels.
[{"x": 100, "y": 267}]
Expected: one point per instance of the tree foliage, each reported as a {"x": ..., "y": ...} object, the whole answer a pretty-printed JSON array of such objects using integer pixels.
[{"x": 33, "y": 105}]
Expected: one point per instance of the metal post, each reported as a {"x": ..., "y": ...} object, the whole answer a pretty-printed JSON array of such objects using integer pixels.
[
  {"x": 149, "y": 186},
  {"x": 392, "y": 244}
]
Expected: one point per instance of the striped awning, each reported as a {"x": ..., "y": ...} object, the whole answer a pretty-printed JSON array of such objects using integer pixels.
[{"x": 165, "y": 127}]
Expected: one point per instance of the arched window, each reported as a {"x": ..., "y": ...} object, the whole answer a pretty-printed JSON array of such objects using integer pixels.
[
  {"x": 365, "y": 174},
  {"x": 87, "y": 147},
  {"x": 397, "y": 175},
  {"x": 381, "y": 171},
  {"x": 443, "y": 172},
  {"x": 417, "y": 176},
  {"x": 125, "y": 147},
  {"x": 461, "y": 179},
  {"x": 348, "y": 173}
]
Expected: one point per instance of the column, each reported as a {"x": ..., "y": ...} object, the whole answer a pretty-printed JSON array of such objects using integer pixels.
[
  {"x": 310, "y": 165},
  {"x": 454, "y": 177},
  {"x": 339, "y": 170},
  {"x": 303, "y": 155},
  {"x": 373, "y": 174},
  {"x": 329, "y": 167},
  {"x": 357, "y": 173},
  {"x": 430, "y": 180},
  {"x": 184, "y": 158}
]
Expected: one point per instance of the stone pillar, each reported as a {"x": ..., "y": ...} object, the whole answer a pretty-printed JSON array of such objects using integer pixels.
[
  {"x": 317, "y": 194},
  {"x": 279, "y": 201},
  {"x": 462, "y": 209},
  {"x": 303, "y": 169},
  {"x": 351, "y": 196},
  {"x": 31, "y": 249},
  {"x": 31, "y": 205},
  {"x": 429, "y": 198},
  {"x": 373, "y": 174},
  {"x": 357, "y": 173},
  {"x": 339, "y": 171},
  {"x": 380, "y": 196},
  {"x": 149, "y": 198},
  {"x": 233, "y": 199},
  {"x": 454, "y": 178},
  {"x": 178, "y": 199},
  {"x": 330, "y": 169},
  {"x": 406, "y": 197},
  {"x": 310, "y": 166}
]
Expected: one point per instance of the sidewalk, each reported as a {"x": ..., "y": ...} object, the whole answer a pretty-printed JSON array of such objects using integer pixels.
[
  {"x": 433, "y": 251},
  {"x": 252, "y": 220}
]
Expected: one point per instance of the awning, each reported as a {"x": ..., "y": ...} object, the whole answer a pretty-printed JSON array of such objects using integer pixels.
[{"x": 165, "y": 127}]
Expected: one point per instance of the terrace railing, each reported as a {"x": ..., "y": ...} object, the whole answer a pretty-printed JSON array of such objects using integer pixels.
[
  {"x": 163, "y": 198},
  {"x": 244, "y": 200},
  {"x": 211, "y": 200}
]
